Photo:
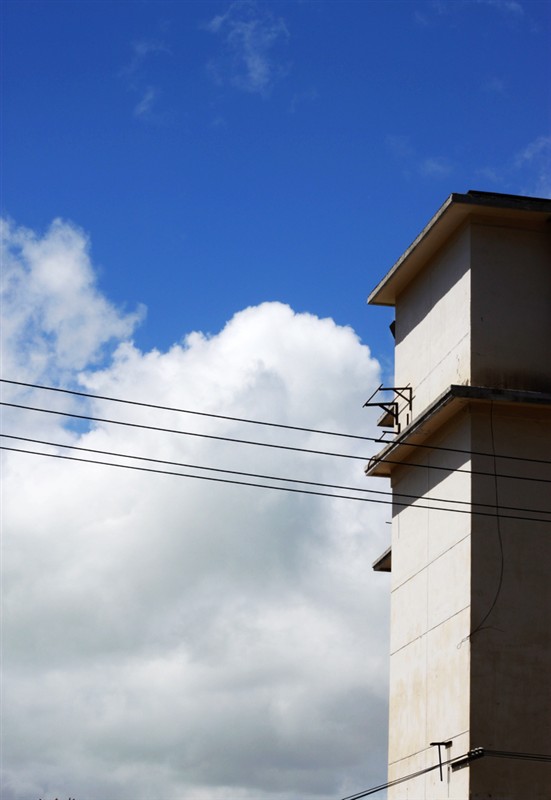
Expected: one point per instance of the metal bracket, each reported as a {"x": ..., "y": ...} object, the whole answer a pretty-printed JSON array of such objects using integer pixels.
[
  {"x": 440, "y": 745},
  {"x": 472, "y": 755},
  {"x": 391, "y": 408}
]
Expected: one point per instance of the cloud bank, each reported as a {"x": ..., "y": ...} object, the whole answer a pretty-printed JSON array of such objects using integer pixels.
[{"x": 167, "y": 637}]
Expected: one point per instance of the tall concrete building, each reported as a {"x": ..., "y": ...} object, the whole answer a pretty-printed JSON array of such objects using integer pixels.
[{"x": 470, "y": 467}]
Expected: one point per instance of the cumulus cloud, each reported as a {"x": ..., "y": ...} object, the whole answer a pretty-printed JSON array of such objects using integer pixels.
[
  {"x": 250, "y": 37},
  {"x": 55, "y": 319},
  {"x": 169, "y": 637}
]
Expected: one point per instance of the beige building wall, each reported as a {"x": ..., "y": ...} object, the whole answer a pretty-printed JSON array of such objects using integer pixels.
[
  {"x": 433, "y": 325},
  {"x": 478, "y": 314},
  {"x": 430, "y": 615},
  {"x": 471, "y": 594},
  {"x": 470, "y": 658}
]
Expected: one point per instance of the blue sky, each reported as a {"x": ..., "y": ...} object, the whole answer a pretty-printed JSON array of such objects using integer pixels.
[
  {"x": 197, "y": 198},
  {"x": 219, "y": 155}
]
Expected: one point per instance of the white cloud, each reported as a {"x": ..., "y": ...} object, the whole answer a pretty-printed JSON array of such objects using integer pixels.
[
  {"x": 141, "y": 50},
  {"x": 510, "y": 10},
  {"x": 250, "y": 37},
  {"x": 145, "y": 106},
  {"x": 494, "y": 85},
  {"x": 55, "y": 320},
  {"x": 400, "y": 146},
  {"x": 435, "y": 167},
  {"x": 137, "y": 77},
  {"x": 168, "y": 637},
  {"x": 404, "y": 152},
  {"x": 527, "y": 172},
  {"x": 505, "y": 6},
  {"x": 535, "y": 149},
  {"x": 534, "y": 161}
]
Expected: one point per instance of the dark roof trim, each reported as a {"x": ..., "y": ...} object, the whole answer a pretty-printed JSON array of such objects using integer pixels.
[{"x": 384, "y": 562}]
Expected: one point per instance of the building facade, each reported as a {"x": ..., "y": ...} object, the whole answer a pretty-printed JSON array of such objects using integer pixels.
[{"x": 470, "y": 469}]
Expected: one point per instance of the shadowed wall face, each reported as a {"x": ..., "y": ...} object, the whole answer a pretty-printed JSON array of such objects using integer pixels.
[
  {"x": 511, "y": 307},
  {"x": 510, "y": 703}
]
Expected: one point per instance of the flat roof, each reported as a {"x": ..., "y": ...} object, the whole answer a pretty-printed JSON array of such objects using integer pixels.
[{"x": 455, "y": 211}]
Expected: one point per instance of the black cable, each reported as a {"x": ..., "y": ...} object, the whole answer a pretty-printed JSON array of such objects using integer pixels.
[
  {"x": 481, "y": 625},
  {"x": 181, "y": 433},
  {"x": 267, "y": 486},
  {"x": 543, "y": 758},
  {"x": 472, "y": 755},
  {"x": 261, "y": 444},
  {"x": 197, "y": 477},
  {"x": 188, "y": 411},
  {"x": 395, "y": 495},
  {"x": 403, "y": 779},
  {"x": 262, "y": 422},
  {"x": 376, "y": 460},
  {"x": 209, "y": 469}
]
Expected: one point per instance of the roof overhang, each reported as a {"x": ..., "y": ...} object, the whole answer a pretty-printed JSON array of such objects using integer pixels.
[
  {"x": 455, "y": 212},
  {"x": 384, "y": 562},
  {"x": 450, "y": 403}
]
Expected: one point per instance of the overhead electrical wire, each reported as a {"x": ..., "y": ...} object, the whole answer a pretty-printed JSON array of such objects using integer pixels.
[
  {"x": 403, "y": 779},
  {"x": 539, "y": 757},
  {"x": 179, "y": 432},
  {"x": 467, "y": 758},
  {"x": 268, "y": 424},
  {"x": 374, "y": 460},
  {"x": 272, "y": 445},
  {"x": 481, "y": 626},
  {"x": 469, "y": 512},
  {"x": 184, "y": 475},
  {"x": 396, "y": 495},
  {"x": 188, "y": 411},
  {"x": 209, "y": 469}
]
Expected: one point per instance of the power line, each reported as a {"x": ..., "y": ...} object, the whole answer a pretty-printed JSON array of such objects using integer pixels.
[
  {"x": 188, "y": 411},
  {"x": 395, "y": 495},
  {"x": 397, "y": 781},
  {"x": 543, "y": 758},
  {"x": 181, "y": 433},
  {"x": 269, "y": 486},
  {"x": 481, "y": 625},
  {"x": 245, "y": 420},
  {"x": 197, "y": 477},
  {"x": 233, "y": 440},
  {"x": 458, "y": 762},
  {"x": 376, "y": 460},
  {"x": 210, "y": 469}
]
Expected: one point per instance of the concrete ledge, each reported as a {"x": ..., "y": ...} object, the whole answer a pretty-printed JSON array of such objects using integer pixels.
[{"x": 444, "y": 407}]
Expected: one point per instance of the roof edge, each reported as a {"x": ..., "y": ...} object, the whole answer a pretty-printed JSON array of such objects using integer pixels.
[
  {"x": 450, "y": 402},
  {"x": 451, "y": 214}
]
